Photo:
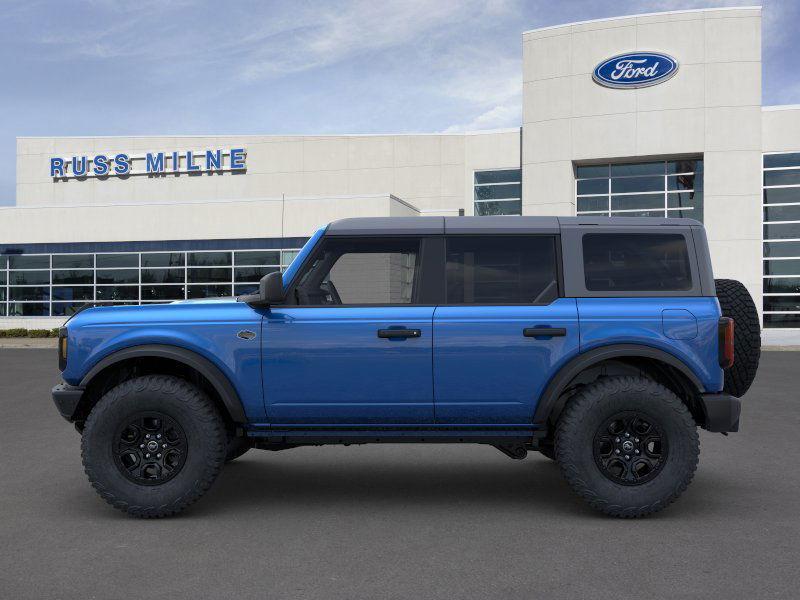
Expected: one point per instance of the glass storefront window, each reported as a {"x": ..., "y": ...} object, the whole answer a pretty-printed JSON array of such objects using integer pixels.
[
  {"x": 163, "y": 259},
  {"x": 498, "y": 192},
  {"x": 116, "y": 261},
  {"x": 781, "y": 240},
  {"x": 58, "y": 284},
  {"x": 33, "y": 261},
  {"x": 671, "y": 188},
  {"x": 257, "y": 257},
  {"x": 73, "y": 261},
  {"x": 209, "y": 259}
]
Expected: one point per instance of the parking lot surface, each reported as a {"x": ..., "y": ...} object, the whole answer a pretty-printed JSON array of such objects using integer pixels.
[{"x": 399, "y": 521}]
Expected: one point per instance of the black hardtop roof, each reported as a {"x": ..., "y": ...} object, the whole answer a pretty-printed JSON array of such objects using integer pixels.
[{"x": 489, "y": 225}]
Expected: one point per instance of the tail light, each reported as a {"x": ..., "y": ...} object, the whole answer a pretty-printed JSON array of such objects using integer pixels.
[{"x": 726, "y": 342}]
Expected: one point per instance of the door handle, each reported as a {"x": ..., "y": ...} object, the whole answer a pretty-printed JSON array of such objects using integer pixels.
[
  {"x": 544, "y": 331},
  {"x": 399, "y": 333}
]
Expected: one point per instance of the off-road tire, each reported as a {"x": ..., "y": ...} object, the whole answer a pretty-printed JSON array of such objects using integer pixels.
[
  {"x": 586, "y": 413},
  {"x": 185, "y": 404},
  {"x": 735, "y": 302},
  {"x": 236, "y": 447},
  {"x": 547, "y": 449}
]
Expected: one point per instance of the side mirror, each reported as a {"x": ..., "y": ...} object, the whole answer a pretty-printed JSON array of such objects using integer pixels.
[{"x": 270, "y": 291}]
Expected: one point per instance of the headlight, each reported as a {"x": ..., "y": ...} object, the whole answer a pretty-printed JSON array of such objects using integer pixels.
[{"x": 62, "y": 348}]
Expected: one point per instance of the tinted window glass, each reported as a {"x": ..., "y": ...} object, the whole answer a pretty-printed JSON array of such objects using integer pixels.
[
  {"x": 162, "y": 292},
  {"x": 73, "y": 277},
  {"x": 85, "y": 292},
  {"x": 782, "y": 285},
  {"x": 257, "y": 257},
  {"x": 782, "y": 303},
  {"x": 29, "y": 262},
  {"x": 792, "y": 321},
  {"x": 782, "y": 231},
  {"x": 163, "y": 259},
  {"x": 501, "y": 270},
  {"x": 28, "y": 309},
  {"x": 781, "y": 195},
  {"x": 29, "y": 277},
  {"x": 593, "y": 203},
  {"x": 73, "y": 261},
  {"x": 616, "y": 262},
  {"x": 781, "y": 249},
  {"x": 500, "y": 176},
  {"x": 653, "y": 168},
  {"x": 163, "y": 275},
  {"x": 29, "y": 293},
  {"x": 208, "y": 291},
  {"x": 782, "y": 213},
  {"x": 591, "y": 171},
  {"x": 593, "y": 186},
  {"x": 118, "y": 276},
  {"x": 209, "y": 259},
  {"x": 362, "y": 272},
  {"x": 251, "y": 273},
  {"x": 782, "y": 267},
  {"x": 499, "y": 207},
  {"x": 117, "y": 260},
  {"x": 208, "y": 275},
  {"x": 65, "y": 309},
  {"x": 117, "y": 292},
  {"x": 498, "y": 192},
  {"x": 789, "y": 177}
]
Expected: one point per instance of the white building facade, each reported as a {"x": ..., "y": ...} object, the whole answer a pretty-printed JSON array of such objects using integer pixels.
[{"x": 154, "y": 219}]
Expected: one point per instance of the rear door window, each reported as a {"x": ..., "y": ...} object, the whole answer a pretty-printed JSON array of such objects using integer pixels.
[
  {"x": 636, "y": 262},
  {"x": 501, "y": 270}
]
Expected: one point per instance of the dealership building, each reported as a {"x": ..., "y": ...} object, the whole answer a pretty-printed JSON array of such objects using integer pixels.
[{"x": 647, "y": 115}]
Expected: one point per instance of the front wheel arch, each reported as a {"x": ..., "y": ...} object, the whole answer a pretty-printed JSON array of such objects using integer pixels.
[{"x": 110, "y": 371}]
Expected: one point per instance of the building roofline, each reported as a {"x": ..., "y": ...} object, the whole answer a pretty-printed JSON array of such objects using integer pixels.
[
  {"x": 781, "y": 107},
  {"x": 262, "y": 135},
  {"x": 386, "y": 195},
  {"x": 651, "y": 14}
]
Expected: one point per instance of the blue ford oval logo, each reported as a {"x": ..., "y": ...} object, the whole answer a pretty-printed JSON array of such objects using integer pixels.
[{"x": 635, "y": 70}]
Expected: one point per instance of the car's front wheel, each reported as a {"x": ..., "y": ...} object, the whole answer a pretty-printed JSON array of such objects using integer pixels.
[
  {"x": 153, "y": 445},
  {"x": 627, "y": 445}
]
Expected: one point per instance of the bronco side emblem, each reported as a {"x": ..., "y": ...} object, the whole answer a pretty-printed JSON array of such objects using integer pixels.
[{"x": 246, "y": 334}]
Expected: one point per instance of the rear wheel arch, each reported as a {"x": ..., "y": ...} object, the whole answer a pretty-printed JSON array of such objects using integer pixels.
[
  {"x": 167, "y": 360},
  {"x": 619, "y": 359}
]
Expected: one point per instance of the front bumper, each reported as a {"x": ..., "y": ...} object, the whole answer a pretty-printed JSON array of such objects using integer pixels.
[
  {"x": 66, "y": 398},
  {"x": 722, "y": 412}
]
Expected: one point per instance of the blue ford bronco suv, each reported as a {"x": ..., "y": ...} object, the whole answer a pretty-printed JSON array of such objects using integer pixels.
[{"x": 602, "y": 343}]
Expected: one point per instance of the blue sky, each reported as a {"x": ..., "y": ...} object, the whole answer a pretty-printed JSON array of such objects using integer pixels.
[{"x": 154, "y": 67}]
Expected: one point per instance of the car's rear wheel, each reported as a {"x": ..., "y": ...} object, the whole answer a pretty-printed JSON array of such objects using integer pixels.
[
  {"x": 627, "y": 445},
  {"x": 153, "y": 445},
  {"x": 735, "y": 302}
]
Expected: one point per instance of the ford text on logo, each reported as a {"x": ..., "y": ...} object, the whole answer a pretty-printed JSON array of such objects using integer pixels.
[
  {"x": 635, "y": 70},
  {"x": 151, "y": 163}
]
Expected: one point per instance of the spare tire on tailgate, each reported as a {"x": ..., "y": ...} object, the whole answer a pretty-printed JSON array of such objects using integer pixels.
[{"x": 736, "y": 303}]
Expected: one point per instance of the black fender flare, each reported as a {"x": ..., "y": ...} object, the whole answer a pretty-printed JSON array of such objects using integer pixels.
[
  {"x": 220, "y": 383},
  {"x": 548, "y": 402}
]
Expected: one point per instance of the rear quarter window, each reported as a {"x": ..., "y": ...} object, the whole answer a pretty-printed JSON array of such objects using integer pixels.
[{"x": 636, "y": 262}]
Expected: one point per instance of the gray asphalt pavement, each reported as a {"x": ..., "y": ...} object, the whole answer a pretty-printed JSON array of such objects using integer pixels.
[{"x": 399, "y": 521}]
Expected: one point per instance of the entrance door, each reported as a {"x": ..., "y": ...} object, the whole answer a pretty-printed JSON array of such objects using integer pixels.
[
  {"x": 503, "y": 331},
  {"x": 356, "y": 346}
]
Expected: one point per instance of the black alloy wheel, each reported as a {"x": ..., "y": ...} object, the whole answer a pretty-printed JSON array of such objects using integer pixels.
[
  {"x": 150, "y": 448},
  {"x": 630, "y": 448}
]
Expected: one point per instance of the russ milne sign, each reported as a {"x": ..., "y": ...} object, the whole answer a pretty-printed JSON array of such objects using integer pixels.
[
  {"x": 151, "y": 163},
  {"x": 635, "y": 70}
]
